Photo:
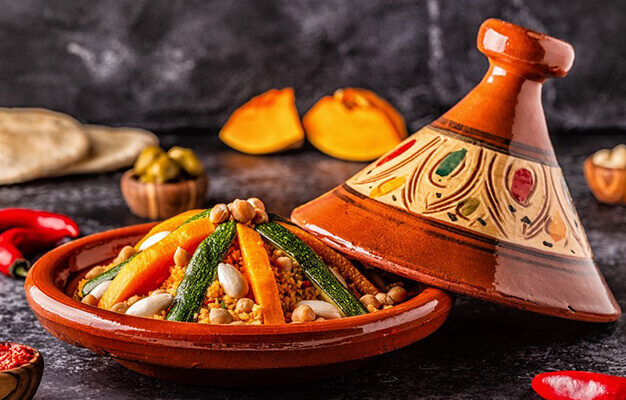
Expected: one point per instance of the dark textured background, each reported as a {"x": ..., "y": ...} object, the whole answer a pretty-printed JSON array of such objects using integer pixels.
[{"x": 171, "y": 64}]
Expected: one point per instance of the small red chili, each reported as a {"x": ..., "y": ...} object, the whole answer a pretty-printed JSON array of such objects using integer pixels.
[
  {"x": 396, "y": 152},
  {"x": 15, "y": 242},
  {"x": 37, "y": 219},
  {"x": 574, "y": 385}
]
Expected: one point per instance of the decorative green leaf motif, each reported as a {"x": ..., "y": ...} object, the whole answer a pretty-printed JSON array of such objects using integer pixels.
[
  {"x": 468, "y": 206},
  {"x": 450, "y": 162}
]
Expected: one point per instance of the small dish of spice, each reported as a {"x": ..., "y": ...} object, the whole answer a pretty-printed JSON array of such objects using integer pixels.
[
  {"x": 162, "y": 184},
  {"x": 605, "y": 172},
  {"x": 21, "y": 368}
]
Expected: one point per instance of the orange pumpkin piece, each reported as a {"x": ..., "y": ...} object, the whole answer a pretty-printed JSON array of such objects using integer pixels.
[
  {"x": 169, "y": 224},
  {"x": 260, "y": 275},
  {"x": 354, "y": 124},
  {"x": 148, "y": 269},
  {"x": 268, "y": 123}
]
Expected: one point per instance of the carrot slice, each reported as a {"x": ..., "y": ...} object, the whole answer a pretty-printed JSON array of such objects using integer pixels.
[
  {"x": 260, "y": 275},
  {"x": 169, "y": 224},
  {"x": 334, "y": 259},
  {"x": 148, "y": 269}
]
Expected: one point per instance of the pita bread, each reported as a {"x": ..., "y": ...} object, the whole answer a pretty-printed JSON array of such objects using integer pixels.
[
  {"x": 34, "y": 142},
  {"x": 111, "y": 149}
]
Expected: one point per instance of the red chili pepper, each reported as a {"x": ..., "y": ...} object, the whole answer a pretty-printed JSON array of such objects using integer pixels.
[
  {"x": 306, "y": 284},
  {"x": 396, "y": 152},
  {"x": 15, "y": 242},
  {"x": 36, "y": 219},
  {"x": 573, "y": 385}
]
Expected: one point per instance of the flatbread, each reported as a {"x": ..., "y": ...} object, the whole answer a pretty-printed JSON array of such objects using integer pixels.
[
  {"x": 34, "y": 142},
  {"x": 111, "y": 149}
]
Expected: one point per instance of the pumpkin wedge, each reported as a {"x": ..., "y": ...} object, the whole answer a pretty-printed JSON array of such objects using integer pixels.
[
  {"x": 268, "y": 123},
  {"x": 148, "y": 269},
  {"x": 354, "y": 124},
  {"x": 169, "y": 224},
  {"x": 260, "y": 275}
]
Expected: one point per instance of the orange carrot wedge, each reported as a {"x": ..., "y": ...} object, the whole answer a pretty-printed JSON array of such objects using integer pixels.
[
  {"x": 260, "y": 275},
  {"x": 169, "y": 224},
  {"x": 148, "y": 269}
]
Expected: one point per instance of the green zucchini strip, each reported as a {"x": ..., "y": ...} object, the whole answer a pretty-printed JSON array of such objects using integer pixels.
[
  {"x": 313, "y": 266},
  {"x": 112, "y": 273},
  {"x": 201, "y": 272}
]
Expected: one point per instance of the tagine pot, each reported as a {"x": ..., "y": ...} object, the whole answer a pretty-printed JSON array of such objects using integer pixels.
[{"x": 476, "y": 202}]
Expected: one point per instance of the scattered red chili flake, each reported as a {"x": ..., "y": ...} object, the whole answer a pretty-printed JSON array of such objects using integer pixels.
[{"x": 13, "y": 355}]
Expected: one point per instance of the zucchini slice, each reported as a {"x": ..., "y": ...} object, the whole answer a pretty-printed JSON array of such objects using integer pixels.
[
  {"x": 112, "y": 273},
  {"x": 313, "y": 266},
  {"x": 201, "y": 272}
]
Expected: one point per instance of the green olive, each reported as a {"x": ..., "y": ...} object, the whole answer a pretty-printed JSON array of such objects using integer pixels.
[
  {"x": 146, "y": 158},
  {"x": 162, "y": 170},
  {"x": 187, "y": 159}
]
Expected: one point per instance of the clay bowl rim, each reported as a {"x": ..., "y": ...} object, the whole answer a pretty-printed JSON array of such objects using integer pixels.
[
  {"x": 129, "y": 176},
  {"x": 41, "y": 278},
  {"x": 36, "y": 359},
  {"x": 589, "y": 160}
]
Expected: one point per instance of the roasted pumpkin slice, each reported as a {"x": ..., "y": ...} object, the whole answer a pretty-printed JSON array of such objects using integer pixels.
[
  {"x": 148, "y": 269},
  {"x": 168, "y": 225},
  {"x": 313, "y": 267},
  {"x": 354, "y": 124},
  {"x": 259, "y": 273},
  {"x": 268, "y": 123}
]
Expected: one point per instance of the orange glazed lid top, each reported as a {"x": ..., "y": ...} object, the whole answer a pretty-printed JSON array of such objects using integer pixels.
[{"x": 476, "y": 202}]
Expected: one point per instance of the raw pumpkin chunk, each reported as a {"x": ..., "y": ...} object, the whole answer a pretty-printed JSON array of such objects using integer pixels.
[
  {"x": 354, "y": 124},
  {"x": 268, "y": 123}
]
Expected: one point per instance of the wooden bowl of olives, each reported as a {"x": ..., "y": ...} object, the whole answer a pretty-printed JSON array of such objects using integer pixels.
[{"x": 162, "y": 184}]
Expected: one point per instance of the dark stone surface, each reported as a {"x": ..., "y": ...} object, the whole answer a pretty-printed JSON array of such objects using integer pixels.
[
  {"x": 174, "y": 64},
  {"x": 483, "y": 351}
]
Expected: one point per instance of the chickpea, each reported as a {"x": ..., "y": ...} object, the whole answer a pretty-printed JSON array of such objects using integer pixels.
[
  {"x": 220, "y": 316},
  {"x": 237, "y": 323},
  {"x": 284, "y": 264},
  {"x": 120, "y": 307},
  {"x": 260, "y": 216},
  {"x": 219, "y": 214},
  {"x": 256, "y": 203},
  {"x": 90, "y": 300},
  {"x": 244, "y": 305},
  {"x": 384, "y": 299},
  {"x": 95, "y": 271},
  {"x": 181, "y": 257},
  {"x": 320, "y": 319},
  {"x": 370, "y": 300},
  {"x": 397, "y": 294},
  {"x": 303, "y": 313},
  {"x": 241, "y": 210},
  {"x": 124, "y": 254},
  {"x": 132, "y": 300}
]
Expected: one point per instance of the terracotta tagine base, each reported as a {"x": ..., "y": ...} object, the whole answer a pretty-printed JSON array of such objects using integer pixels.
[
  {"x": 216, "y": 355},
  {"x": 475, "y": 202}
]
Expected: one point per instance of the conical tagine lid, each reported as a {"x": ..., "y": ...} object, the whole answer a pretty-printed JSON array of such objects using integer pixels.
[{"x": 475, "y": 202}]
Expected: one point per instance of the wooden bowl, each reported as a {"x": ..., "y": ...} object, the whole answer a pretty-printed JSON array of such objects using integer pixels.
[
  {"x": 608, "y": 185},
  {"x": 162, "y": 200},
  {"x": 22, "y": 382},
  {"x": 216, "y": 355}
]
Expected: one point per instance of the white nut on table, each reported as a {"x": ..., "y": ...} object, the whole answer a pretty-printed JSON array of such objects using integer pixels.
[
  {"x": 322, "y": 308},
  {"x": 233, "y": 283},
  {"x": 99, "y": 290},
  {"x": 157, "y": 237},
  {"x": 152, "y": 305}
]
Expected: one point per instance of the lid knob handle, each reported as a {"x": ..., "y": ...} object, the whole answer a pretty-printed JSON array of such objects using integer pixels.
[{"x": 532, "y": 54}]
